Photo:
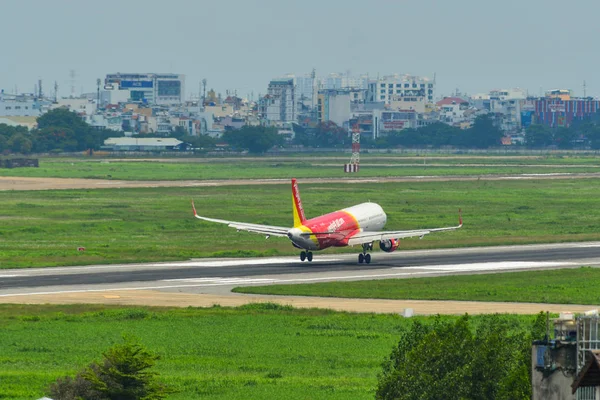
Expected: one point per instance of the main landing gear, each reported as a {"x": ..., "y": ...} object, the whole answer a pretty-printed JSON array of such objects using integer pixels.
[
  {"x": 306, "y": 255},
  {"x": 364, "y": 256}
]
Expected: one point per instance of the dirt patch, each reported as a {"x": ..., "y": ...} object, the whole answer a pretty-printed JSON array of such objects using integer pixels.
[{"x": 30, "y": 183}]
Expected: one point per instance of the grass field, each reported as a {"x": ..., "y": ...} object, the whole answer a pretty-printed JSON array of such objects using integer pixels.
[
  {"x": 563, "y": 286},
  {"x": 45, "y": 228},
  {"x": 310, "y": 167},
  {"x": 252, "y": 352}
]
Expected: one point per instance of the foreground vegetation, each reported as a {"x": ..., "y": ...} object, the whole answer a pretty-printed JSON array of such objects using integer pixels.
[
  {"x": 45, "y": 228},
  {"x": 563, "y": 286},
  {"x": 318, "y": 167},
  {"x": 256, "y": 351}
]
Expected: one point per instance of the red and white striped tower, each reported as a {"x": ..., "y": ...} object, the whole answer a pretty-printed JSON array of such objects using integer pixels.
[{"x": 355, "y": 158}]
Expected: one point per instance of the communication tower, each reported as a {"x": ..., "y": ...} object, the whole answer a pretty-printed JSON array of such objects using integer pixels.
[
  {"x": 355, "y": 158},
  {"x": 72, "y": 81},
  {"x": 98, "y": 82}
]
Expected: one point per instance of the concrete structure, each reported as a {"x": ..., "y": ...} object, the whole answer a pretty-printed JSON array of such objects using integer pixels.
[
  {"x": 81, "y": 106},
  {"x": 386, "y": 121},
  {"x": 279, "y": 106},
  {"x": 562, "y": 94},
  {"x": 151, "y": 88},
  {"x": 452, "y": 110},
  {"x": 306, "y": 92},
  {"x": 220, "y": 110},
  {"x": 343, "y": 81},
  {"x": 395, "y": 87},
  {"x": 334, "y": 105},
  {"x": 20, "y": 106},
  {"x": 555, "y": 112}
]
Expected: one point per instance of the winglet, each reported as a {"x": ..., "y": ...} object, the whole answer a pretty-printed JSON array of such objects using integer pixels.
[
  {"x": 459, "y": 217},
  {"x": 194, "y": 208}
]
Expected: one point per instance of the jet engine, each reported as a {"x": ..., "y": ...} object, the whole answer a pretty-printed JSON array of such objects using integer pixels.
[{"x": 389, "y": 245}]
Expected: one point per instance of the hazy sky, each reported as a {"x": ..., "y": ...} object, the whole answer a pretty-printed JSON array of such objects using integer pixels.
[{"x": 473, "y": 45}]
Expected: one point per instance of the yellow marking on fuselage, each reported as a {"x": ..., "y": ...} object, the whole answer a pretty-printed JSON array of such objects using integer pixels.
[{"x": 306, "y": 229}]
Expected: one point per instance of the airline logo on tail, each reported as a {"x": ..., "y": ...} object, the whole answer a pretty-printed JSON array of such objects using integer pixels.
[{"x": 299, "y": 217}]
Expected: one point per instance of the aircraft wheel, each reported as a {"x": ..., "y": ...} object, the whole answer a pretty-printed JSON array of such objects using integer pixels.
[
  {"x": 368, "y": 258},
  {"x": 309, "y": 256},
  {"x": 303, "y": 256},
  {"x": 361, "y": 258}
]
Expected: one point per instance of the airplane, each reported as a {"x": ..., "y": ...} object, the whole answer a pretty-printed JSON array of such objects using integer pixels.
[{"x": 357, "y": 225}]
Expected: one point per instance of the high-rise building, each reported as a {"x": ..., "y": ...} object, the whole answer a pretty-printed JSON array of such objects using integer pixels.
[
  {"x": 279, "y": 105},
  {"x": 150, "y": 88},
  {"x": 396, "y": 87}
]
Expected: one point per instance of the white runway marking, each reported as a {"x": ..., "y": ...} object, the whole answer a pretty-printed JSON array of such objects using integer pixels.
[
  {"x": 9, "y": 276},
  {"x": 491, "y": 266}
]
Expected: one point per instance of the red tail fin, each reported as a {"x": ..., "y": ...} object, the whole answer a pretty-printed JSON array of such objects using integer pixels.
[{"x": 299, "y": 217}]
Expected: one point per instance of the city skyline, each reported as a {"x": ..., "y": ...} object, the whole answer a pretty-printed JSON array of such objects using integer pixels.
[{"x": 241, "y": 46}]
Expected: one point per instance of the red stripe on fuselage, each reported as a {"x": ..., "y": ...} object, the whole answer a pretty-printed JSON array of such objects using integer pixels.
[{"x": 340, "y": 225}]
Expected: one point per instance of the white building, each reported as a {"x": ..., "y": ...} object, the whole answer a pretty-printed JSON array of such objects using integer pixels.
[
  {"x": 19, "y": 106},
  {"x": 279, "y": 103},
  {"x": 81, "y": 106},
  {"x": 395, "y": 87},
  {"x": 148, "y": 88},
  {"x": 386, "y": 121},
  {"x": 452, "y": 110},
  {"x": 306, "y": 90},
  {"x": 343, "y": 81},
  {"x": 334, "y": 105}
]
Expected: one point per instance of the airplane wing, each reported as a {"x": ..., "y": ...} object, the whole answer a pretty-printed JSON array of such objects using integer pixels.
[
  {"x": 368, "y": 237},
  {"x": 243, "y": 226}
]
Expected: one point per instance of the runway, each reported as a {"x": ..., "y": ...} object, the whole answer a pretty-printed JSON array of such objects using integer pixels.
[{"x": 209, "y": 281}]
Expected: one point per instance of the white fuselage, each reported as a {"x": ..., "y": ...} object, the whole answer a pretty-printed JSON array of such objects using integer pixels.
[{"x": 340, "y": 224}]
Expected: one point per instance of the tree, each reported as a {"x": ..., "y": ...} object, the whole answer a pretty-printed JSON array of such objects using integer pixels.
[
  {"x": 19, "y": 143},
  {"x": 564, "y": 137},
  {"x": 65, "y": 130},
  {"x": 200, "y": 141},
  {"x": 255, "y": 139},
  {"x": 178, "y": 132},
  {"x": 538, "y": 136},
  {"x": 484, "y": 133},
  {"x": 52, "y": 137},
  {"x": 329, "y": 134},
  {"x": 123, "y": 374},
  {"x": 454, "y": 360}
]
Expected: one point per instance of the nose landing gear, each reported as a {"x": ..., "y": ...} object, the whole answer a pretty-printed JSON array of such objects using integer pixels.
[{"x": 306, "y": 255}]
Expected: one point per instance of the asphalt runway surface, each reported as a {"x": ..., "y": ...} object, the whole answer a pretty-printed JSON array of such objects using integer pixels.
[{"x": 209, "y": 281}]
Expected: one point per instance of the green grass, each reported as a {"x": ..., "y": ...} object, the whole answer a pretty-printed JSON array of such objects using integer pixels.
[
  {"x": 252, "y": 352},
  {"x": 45, "y": 228},
  {"x": 310, "y": 167},
  {"x": 563, "y": 286}
]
